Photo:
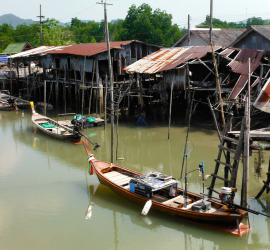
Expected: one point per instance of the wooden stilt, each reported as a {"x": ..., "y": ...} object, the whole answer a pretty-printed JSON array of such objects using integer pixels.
[
  {"x": 188, "y": 95},
  {"x": 266, "y": 185},
  {"x": 170, "y": 112}
]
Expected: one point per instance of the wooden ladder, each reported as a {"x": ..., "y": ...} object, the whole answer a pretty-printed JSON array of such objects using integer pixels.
[{"x": 230, "y": 167}]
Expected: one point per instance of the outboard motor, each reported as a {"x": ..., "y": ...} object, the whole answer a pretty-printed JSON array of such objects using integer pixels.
[{"x": 227, "y": 195}]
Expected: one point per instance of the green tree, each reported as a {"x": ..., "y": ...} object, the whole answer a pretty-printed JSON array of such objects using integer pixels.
[
  {"x": 6, "y": 36},
  {"x": 254, "y": 21},
  {"x": 144, "y": 24},
  {"x": 55, "y": 35},
  {"x": 217, "y": 23}
]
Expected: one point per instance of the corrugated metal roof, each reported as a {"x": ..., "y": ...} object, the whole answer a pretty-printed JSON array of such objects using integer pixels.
[
  {"x": 263, "y": 30},
  {"x": 227, "y": 52},
  {"x": 169, "y": 58},
  {"x": 222, "y": 37},
  {"x": 36, "y": 51},
  {"x": 240, "y": 63},
  {"x": 89, "y": 49},
  {"x": 85, "y": 49},
  {"x": 14, "y": 48},
  {"x": 262, "y": 101},
  {"x": 238, "y": 87}
]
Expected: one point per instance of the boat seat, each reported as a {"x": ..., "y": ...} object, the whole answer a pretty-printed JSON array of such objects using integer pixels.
[
  {"x": 177, "y": 201},
  {"x": 118, "y": 178}
]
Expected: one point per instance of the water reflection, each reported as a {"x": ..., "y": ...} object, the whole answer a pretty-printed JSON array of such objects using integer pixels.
[
  {"x": 191, "y": 236},
  {"x": 45, "y": 182}
]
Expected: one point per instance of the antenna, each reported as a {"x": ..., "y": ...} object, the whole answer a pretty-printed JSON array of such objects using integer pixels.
[{"x": 40, "y": 24}]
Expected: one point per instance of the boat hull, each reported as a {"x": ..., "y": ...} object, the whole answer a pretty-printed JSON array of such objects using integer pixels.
[
  {"x": 224, "y": 217},
  {"x": 69, "y": 136}
]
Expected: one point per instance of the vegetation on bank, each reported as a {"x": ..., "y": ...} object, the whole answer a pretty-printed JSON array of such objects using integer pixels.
[{"x": 141, "y": 23}]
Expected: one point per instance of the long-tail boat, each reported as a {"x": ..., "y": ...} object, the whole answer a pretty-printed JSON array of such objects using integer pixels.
[
  {"x": 162, "y": 190},
  {"x": 12, "y": 102},
  {"x": 5, "y": 106},
  {"x": 53, "y": 128}
]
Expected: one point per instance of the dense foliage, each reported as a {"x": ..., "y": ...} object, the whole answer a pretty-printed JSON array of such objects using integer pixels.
[
  {"x": 141, "y": 23},
  {"x": 150, "y": 26},
  {"x": 232, "y": 25}
]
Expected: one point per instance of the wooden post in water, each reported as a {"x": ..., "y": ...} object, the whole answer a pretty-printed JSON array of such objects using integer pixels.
[
  {"x": 97, "y": 82},
  {"x": 105, "y": 101},
  {"x": 170, "y": 111},
  {"x": 44, "y": 112},
  {"x": 101, "y": 100},
  {"x": 10, "y": 72},
  {"x": 65, "y": 93},
  {"x": 214, "y": 118},
  {"x": 65, "y": 97},
  {"x": 92, "y": 83},
  {"x": 56, "y": 89},
  {"x": 83, "y": 83}
]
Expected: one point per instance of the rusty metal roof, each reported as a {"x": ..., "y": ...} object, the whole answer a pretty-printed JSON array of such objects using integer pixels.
[
  {"x": 227, "y": 52},
  {"x": 89, "y": 49},
  {"x": 240, "y": 63},
  {"x": 168, "y": 58},
  {"x": 238, "y": 87},
  {"x": 262, "y": 101},
  {"x": 85, "y": 49}
]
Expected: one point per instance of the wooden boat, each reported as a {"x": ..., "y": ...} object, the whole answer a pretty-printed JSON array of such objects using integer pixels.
[
  {"x": 140, "y": 188},
  {"x": 53, "y": 128},
  {"x": 6, "y": 106},
  {"x": 15, "y": 101}
]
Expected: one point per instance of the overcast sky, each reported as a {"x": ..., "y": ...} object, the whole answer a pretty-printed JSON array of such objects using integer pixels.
[{"x": 64, "y": 10}]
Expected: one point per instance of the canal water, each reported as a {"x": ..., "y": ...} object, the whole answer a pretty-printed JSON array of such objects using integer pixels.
[{"x": 49, "y": 201}]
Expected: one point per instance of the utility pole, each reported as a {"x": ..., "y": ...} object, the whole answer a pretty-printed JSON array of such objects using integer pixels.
[
  {"x": 215, "y": 63},
  {"x": 40, "y": 24},
  {"x": 188, "y": 30},
  {"x": 110, "y": 73},
  {"x": 211, "y": 22}
]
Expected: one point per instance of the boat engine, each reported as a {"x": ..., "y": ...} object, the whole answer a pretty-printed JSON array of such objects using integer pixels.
[{"x": 227, "y": 195}]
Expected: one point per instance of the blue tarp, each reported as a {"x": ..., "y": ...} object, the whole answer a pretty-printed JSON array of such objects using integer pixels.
[
  {"x": 3, "y": 59},
  {"x": 141, "y": 122}
]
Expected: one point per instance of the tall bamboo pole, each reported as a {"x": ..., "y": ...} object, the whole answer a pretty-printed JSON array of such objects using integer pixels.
[
  {"x": 110, "y": 73},
  {"x": 245, "y": 181}
]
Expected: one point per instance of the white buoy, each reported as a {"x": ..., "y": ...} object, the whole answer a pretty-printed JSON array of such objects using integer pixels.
[{"x": 146, "y": 207}]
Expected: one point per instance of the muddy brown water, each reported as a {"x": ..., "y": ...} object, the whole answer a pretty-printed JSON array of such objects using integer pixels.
[{"x": 48, "y": 200}]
